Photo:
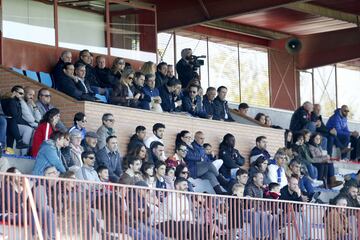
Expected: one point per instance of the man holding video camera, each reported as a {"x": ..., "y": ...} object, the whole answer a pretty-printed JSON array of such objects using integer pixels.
[{"x": 187, "y": 66}]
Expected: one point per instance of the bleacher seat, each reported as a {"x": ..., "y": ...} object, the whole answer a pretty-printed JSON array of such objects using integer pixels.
[
  {"x": 45, "y": 79},
  {"x": 31, "y": 74},
  {"x": 18, "y": 70},
  {"x": 102, "y": 98}
]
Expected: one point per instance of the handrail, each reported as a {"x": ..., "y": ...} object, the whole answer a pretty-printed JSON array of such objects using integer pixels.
[{"x": 250, "y": 119}]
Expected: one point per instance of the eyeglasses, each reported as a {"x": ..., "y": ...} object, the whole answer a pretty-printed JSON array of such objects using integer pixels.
[
  {"x": 46, "y": 95},
  {"x": 92, "y": 158},
  {"x": 20, "y": 93},
  {"x": 184, "y": 172},
  {"x": 184, "y": 150},
  {"x": 131, "y": 78},
  {"x": 110, "y": 120},
  {"x": 193, "y": 91},
  {"x": 84, "y": 121},
  {"x": 121, "y": 63}
]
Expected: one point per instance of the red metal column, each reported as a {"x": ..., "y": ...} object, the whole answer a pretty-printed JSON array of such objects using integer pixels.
[{"x": 107, "y": 27}]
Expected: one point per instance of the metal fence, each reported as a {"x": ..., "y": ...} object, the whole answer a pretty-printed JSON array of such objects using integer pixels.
[{"x": 49, "y": 208}]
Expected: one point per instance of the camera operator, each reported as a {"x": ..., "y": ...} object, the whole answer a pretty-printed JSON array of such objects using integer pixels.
[{"x": 184, "y": 67}]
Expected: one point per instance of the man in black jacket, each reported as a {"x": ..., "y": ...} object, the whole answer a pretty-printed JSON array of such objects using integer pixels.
[
  {"x": 161, "y": 71},
  {"x": 221, "y": 108},
  {"x": 301, "y": 119},
  {"x": 103, "y": 73},
  {"x": 17, "y": 127},
  {"x": 167, "y": 98},
  {"x": 208, "y": 101},
  {"x": 57, "y": 72},
  {"x": 184, "y": 68},
  {"x": 138, "y": 138}
]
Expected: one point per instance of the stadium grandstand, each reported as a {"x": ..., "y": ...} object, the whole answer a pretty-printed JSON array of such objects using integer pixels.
[{"x": 179, "y": 119}]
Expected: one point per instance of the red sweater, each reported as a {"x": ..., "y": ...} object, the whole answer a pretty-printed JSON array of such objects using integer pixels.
[{"x": 41, "y": 134}]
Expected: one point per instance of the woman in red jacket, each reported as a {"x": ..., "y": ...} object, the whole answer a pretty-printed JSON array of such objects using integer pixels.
[{"x": 44, "y": 130}]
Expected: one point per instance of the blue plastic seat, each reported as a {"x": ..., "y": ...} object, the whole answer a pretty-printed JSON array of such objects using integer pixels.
[
  {"x": 18, "y": 70},
  {"x": 31, "y": 74},
  {"x": 45, "y": 79},
  {"x": 101, "y": 98}
]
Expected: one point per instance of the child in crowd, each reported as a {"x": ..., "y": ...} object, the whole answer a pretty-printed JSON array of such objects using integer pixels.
[
  {"x": 273, "y": 192},
  {"x": 209, "y": 151}
]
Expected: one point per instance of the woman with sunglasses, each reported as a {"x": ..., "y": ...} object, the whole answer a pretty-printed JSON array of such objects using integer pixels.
[
  {"x": 183, "y": 171},
  {"x": 124, "y": 91}
]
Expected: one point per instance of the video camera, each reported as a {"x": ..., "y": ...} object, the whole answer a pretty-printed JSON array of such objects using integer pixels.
[{"x": 196, "y": 62}]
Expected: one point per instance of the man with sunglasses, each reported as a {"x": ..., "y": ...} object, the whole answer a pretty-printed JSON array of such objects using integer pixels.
[
  {"x": 17, "y": 127},
  {"x": 192, "y": 102},
  {"x": 87, "y": 171},
  {"x": 106, "y": 130}
]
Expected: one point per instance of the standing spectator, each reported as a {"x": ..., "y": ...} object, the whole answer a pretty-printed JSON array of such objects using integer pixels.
[
  {"x": 109, "y": 156},
  {"x": 179, "y": 157},
  {"x": 138, "y": 138},
  {"x": 208, "y": 101},
  {"x": 144, "y": 100},
  {"x": 87, "y": 171},
  {"x": 231, "y": 156},
  {"x": 184, "y": 68},
  {"x": 106, "y": 130},
  {"x": 46, "y": 126},
  {"x": 124, "y": 92},
  {"x": 79, "y": 124},
  {"x": 161, "y": 72},
  {"x": 301, "y": 119},
  {"x": 132, "y": 174},
  {"x": 57, "y": 72},
  {"x": 153, "y": 92},
  {"x": 192, "y": 103},
  {"x": 49, "y": 154},
  {"x": 44, "y": 104},
  {"x": 259, "y": 149},
  {"x": 17, "y": 127},
  {"x": 166, "y": 93},
  {"x": 243, "y": 108},
  {"x": 90, "y": 141},
  {"x": 276, "y": 172},
  {"x": 341, "y": 138},
  {"x": 221, "y": 108},
  {"x": 158, "y": 134}
]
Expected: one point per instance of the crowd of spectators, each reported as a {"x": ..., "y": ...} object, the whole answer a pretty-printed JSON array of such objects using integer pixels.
[{"x": 293, "y": 173}]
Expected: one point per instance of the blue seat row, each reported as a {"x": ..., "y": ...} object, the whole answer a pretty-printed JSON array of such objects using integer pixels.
[{"x": 42, "y": 77}]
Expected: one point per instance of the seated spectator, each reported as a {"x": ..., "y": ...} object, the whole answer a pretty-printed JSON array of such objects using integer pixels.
[
  {"x": 208, "y": 101},
  {"x": 90, "y": 141},
  {"x": 336, "y": 220},
  {"x": 178, "y": 95},
  {"x": 260, "y": 117},
  {"x": 198, "y": 163},
  {"x": 320, "y": 125},
  {"x": 260, "y": 165},
  {"x": 301, "y": 119},
  {"x": 209, "y": 151},
  {"x": 29, "y": 109},
  {"x": 132, "y": 174},
  {"x": 241, "y": 179},
  {"x": 75, "y": 150},
  {"x": 231, "y": 156},
  {"x": 350, "y": 193},
  {"x": 65, "y": 57},
  {"x": 17, "y": 127},
  {"x": 161, "y": 72},
  {"x": 160, "y": 168},
  {"x": 87, "y": 171},
  {"x": 147, "y": 171},
  {"x": 273, "y": 191},
  {"x": 221, "y": 108},
  {"x": 103, "y": 74},
  {"x": 288, "y": 136},
  {"x": 44, "y": 104},
  {"x": 325, "y": 167},
  {"x": 151, "y": 91},
  {"x": 138, "y": 138},
  {"x": 276, "y": 172},
  {"x": 75, "y": 86},
  {"x": 158, "y": 134},
  {"x": 170, "y": 177},
  {"x": 3, "y": 126},
  {"x": 46, "y": 126},
  {"x": 340, "y": 138},
  {"x": 178, "y": 158},
  {"x": 139, "y": 152},
  {"x": 268, "y": 123},
  {"x": 254, "y": 188},
  {"x": 66, "y": 158},
  {"x": 106, "y": 130},
  {"x": 305, "y": 182},
  {"x": 49, "y": 154},
  {"x": 157, "y": 152},
  {"x": 292, "y": 192},
  {"x": 183, "y": 172},
  {"x": 259, "y": 149},
  {"x": 103, "y": 173},
  {"x": 109, "y": 157},
  {"x": 243, "y": 108},
  {"x": 124, "y": 92},
  {"x": 166, "y": 93},
  {"x": 170, "y": 71},
  {"x": 138, "y": 82},
  {"x": 353, "y": 177},
  {"x": 192, "y": 103},
  {"x": 79, "y": 124},
  {"x": 116, "y": 70},
  {"x": 148, "y": 68}
]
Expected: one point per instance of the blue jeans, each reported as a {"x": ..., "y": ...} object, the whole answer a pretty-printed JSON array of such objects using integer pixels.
[
  {"x": 312, "y": 170},
  {"x": 3, "y": 125},
  {"x": 306, "y": 186}
]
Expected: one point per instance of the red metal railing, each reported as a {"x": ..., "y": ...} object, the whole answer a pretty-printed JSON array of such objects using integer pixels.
[{"x": 45, "y": 208}]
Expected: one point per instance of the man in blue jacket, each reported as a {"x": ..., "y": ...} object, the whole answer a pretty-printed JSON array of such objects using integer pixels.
[
  {"x": 341, "y": 138},
  {"x": 192, "y": 103}
]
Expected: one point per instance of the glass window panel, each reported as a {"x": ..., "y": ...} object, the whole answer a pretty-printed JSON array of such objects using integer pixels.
[
  {"x": 224, "y": 70},
  {"x": 166, "y": 48},
  {"x": 306, "y": 91},
  {"x": 324, "y": 89},
  {"x": 28, "y": 20},
  {"x": 348, "y": 82},
  {"x": 254, "y": 77}
]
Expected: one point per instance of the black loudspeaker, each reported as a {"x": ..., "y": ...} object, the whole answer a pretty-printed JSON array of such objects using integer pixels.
[{"x": 293, "y": 45}]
